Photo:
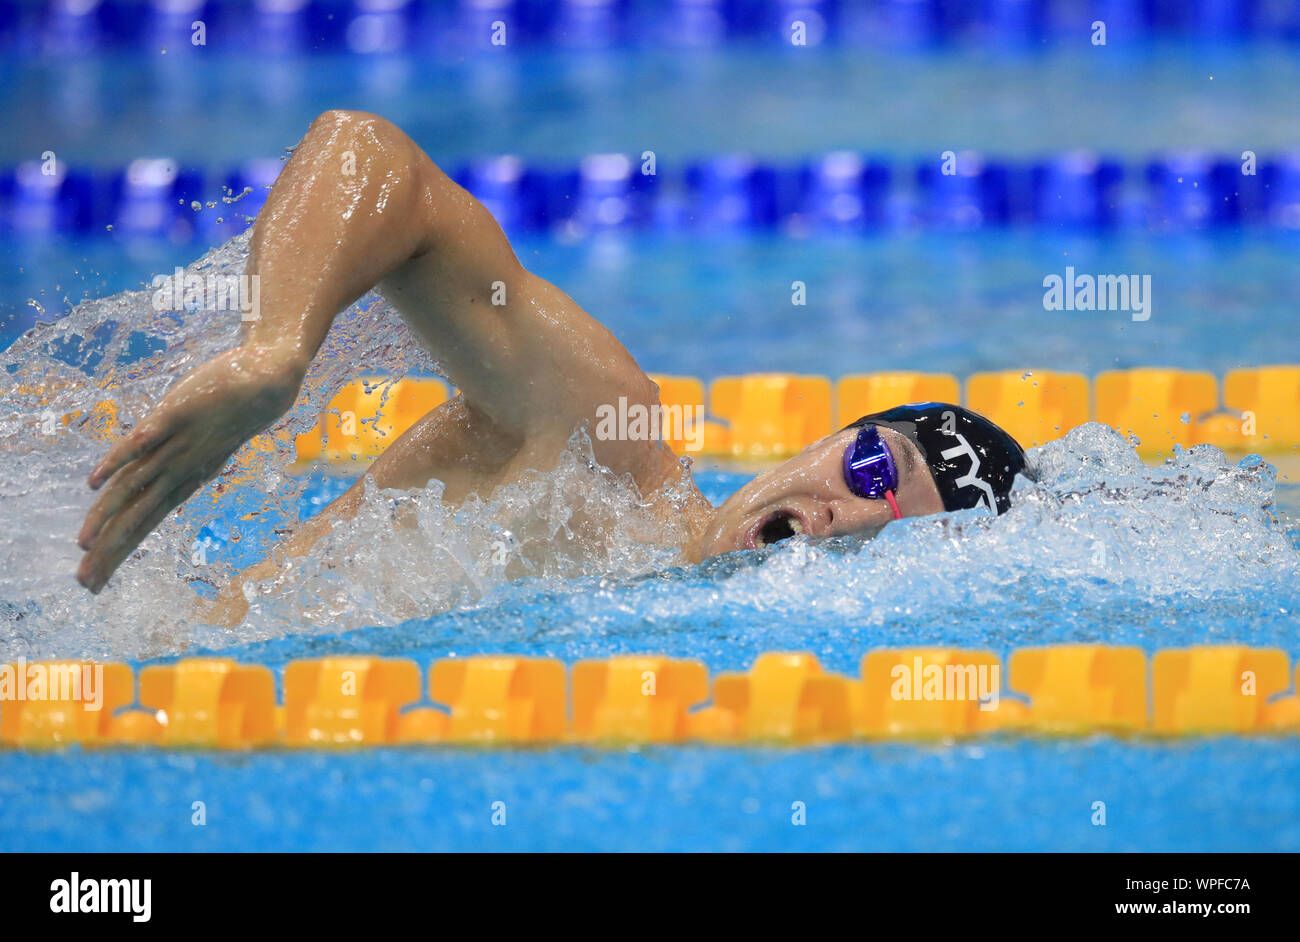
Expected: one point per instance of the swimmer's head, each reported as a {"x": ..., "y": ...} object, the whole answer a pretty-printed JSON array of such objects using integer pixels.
[{"x": 941, "y": 457}]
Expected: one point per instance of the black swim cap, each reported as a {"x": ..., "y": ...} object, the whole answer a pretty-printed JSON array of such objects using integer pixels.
[{"x": 973, "y": 462}]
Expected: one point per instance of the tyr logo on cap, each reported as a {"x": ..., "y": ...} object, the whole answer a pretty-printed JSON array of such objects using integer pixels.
[
  {"x": 971, "y": 478},
  {"x": 993, "y": 458}
]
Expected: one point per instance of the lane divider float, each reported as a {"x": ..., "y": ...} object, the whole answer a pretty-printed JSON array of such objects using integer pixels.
[
  {"x": 774, "y": 415},
  {"x": 785, "y": 698}
]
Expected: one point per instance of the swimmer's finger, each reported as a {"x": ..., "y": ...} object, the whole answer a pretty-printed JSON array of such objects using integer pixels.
[
  {"x": 95, "y": 567},
  {"x": 125, "y": 531},
  {"x": 126, "y": 483},
  {"x": 150, "y": 434}
]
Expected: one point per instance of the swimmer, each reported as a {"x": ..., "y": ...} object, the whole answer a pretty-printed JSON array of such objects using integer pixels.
[{"x": 359, "y": 205}]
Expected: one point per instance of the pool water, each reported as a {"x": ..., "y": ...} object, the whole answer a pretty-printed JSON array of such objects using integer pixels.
[
  {"x": 1157, "y": 98},
  {"x": 994, "y": 794},
  {"x": 1224, "y": 795},
  {"x": 1203, "y": 549},
  {"x": 958, "y": 303},
  {"x": 117, "y": 106}
]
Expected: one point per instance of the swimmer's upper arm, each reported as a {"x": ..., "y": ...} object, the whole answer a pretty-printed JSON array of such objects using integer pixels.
[
  {"x": 360, "y": 205},
  {"x": 518, "y": 347}
]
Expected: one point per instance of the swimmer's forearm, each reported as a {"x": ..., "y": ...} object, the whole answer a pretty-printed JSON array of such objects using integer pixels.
[
  {"x": 451, "y": 444},
  {"x": 231, "y": 606}
]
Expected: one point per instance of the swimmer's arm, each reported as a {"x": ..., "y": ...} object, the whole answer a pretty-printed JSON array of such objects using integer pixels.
[
  {"x": 360, "y": 204},
  {"x": 231, "y": 606}
]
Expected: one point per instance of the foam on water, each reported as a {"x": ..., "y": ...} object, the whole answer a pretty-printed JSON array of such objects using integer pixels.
[
  {"x": 405, "y": 554},
  {"x": 1098, "y": 525},
  {"x": 408, "y": 554}
]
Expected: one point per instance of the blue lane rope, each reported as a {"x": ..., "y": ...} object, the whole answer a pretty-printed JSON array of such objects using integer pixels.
[
  {"x": 288, "y": 27},
  {"x": 836, "y": 192}
]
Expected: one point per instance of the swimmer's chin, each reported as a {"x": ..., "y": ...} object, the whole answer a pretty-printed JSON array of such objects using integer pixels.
[
  {"x": 764, "y": 529},
  {"x": 711, "y": 545}
]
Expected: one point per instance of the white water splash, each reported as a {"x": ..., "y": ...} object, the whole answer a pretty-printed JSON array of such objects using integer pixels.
[
  {"x": 1096, "y": 525},
  {"x": 369, "y": 571},
  {"x": 407, "y": 554}
]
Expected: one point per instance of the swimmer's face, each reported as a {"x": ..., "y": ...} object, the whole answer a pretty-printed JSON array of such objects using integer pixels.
[{"x": 808, "y": 494}]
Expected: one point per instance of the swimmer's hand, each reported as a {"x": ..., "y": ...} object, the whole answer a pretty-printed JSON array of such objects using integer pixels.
[
  {"x": 229, "y": 607},
  {"x": 183, "y": 443}
]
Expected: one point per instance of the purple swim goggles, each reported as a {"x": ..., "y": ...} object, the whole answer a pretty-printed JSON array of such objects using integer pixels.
[{"x": 869, "y": 468}]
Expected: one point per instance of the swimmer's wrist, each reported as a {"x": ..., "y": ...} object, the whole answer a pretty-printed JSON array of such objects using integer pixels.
[{"x": 281, "y": 364}]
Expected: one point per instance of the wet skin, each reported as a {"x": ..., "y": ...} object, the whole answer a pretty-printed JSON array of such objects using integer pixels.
[
  {"x": 808, "y": 494},
  {"x": 530, "y": 371}
]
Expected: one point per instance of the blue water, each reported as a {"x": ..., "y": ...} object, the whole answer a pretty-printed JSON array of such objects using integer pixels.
[
  {"x": 711, "y": 306},
  {"x": 1215, "y": 794},
  {"x": 1214, "y": 299},
  {"x": 925, "y": 301},
  {"x": 224, "y": 107},
  {"x": 1020, "y": 796}
]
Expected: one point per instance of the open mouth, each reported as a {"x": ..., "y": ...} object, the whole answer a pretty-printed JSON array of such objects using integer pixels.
[{"x": 775, "y": 527}]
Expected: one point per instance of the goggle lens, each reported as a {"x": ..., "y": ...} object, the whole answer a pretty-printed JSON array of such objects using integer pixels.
[{"x": 869, "y": 467}]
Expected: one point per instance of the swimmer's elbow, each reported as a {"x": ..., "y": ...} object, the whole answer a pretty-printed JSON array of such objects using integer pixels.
[
  {"x": 357, "y": 140},
  {"x": 341, "y": 122}
]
